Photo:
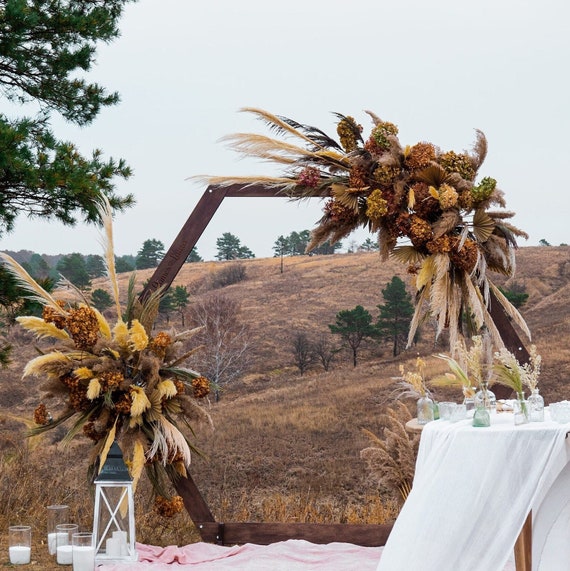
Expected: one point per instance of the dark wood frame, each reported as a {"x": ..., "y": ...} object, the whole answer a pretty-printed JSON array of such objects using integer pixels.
[{"x": 265, "y": 533}]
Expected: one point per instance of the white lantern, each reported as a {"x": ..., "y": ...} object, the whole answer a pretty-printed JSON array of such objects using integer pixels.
[{"x": 114, "y": 513}]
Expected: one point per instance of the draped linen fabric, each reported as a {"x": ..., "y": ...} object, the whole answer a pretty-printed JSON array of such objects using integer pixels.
[{"x": 472, "y": 491}]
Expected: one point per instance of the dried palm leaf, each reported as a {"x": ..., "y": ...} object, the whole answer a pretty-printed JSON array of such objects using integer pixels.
[
  {"x": 483, "y": 225},
  {"x": 434, "y": 175},
  {"x": 407, "y": 255}
]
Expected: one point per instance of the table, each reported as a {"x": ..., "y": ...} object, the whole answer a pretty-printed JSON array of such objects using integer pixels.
[{"x": 473, "y": 491}]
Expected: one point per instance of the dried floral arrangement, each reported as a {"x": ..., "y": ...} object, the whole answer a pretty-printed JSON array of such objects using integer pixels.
[
  {"x": 425, "y": 204},
  {"x": 120, "y": 382},
  {"x": 391, "y": 459}
]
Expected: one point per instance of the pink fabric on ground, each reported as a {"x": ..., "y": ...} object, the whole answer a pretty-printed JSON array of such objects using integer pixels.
[{"x": 291, "y": 555}]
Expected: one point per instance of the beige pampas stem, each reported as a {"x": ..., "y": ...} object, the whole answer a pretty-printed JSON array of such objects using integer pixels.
[
  {"x": 106, "y": 214},
  {"x": 26, "y": 281}
]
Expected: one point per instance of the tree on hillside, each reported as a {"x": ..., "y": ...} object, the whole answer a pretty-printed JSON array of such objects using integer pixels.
[
  {"x": 125, "y": 264},
  {"x": 516, "y": 294},
  {"x": 45, "y": 46},
  {"x": 150, "y": 254},
  {"x": 354, "y": 326},
  {"x": 324, "y": 351},
  {"x": 302, "y": 351},
  {"x": 37, "y": 266},
  {"x": 393, "y": 323},
  {"x": 230, "y": 248},
  {"x": 193, "y": 256},
  {"x": 225, "y": 354},
  {"x": 73, "y": 268},
  {"x": 326, "y": 249},
  {"x": 369, "y": 246},
  {"x": 166, "y": 305},
  {"x": 280, "y": 249},
  {"x": 180, "y": 299},
  {"x": 95, "y": 266},
  {"x": 101, "y": 299}
]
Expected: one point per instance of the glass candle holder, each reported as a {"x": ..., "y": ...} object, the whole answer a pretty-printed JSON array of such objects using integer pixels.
[
  {"x": 56, "y": 515},
  {"x": 83, "y": 551},
  {"x": 64, "y": 533},
  {"x": 20, "y": 544}
]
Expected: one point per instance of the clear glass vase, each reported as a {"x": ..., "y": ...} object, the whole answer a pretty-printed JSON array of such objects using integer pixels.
[
  {"x": 424, "y": 410},
  {"x": 536, "y": 406},
  {"x": 469, "y": 398},
  {"x": 481, "y": 417},
  {"x": 521, "y": 410},
  {"x": 485, "y": 398}
]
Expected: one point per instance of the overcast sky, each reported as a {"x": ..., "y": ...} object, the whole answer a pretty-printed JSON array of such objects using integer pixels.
[{"x": 439, "y": 70}]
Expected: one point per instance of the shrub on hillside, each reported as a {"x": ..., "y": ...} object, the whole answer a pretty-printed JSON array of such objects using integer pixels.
[{"x": 228, "y": 275}]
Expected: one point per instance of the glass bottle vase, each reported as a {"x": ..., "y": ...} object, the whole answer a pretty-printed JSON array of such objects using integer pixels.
[
  {"x": 481, "y": 417},
  {"x": 521, "y": 409},
  {"x": 536, "y": 406},
  {"x": 424, "y": 410},
  {"x": 485, "y": 398}
]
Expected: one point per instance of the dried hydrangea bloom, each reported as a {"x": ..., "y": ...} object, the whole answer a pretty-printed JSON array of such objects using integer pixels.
[
  {"x": 346, "y": 132},
  {"x": 201, "y": 387},
  {"x": 466, "y": 258},
  {"x": 168, "y": 507},
  {"x": 484, "y": 189},
  {"x": 387, "y": 174},
  {"x": 459, "y": 163},
  {"x": 83, "y": 326},
  {"x": 420, "y": 156},
  {"x": 447, "y": 196},
  {"x": 41, "y": 415},
  {"x": 309, "y": 177},
  {"x": 357, "y": 179},
  {"x": 376, "y": 205},
  {"x": 420, "y": 231}
]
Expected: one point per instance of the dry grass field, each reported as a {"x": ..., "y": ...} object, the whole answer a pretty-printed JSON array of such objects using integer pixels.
[{"x": 285, "y": 447}]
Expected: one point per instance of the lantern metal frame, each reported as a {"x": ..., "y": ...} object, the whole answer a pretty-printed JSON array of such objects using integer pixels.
[{"x": 114, "y": 480}]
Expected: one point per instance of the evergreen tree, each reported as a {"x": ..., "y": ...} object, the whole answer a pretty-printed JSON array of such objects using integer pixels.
[
  {"x": 95, "y": 266},
  {"x": 298, "y": 242},
  {"x": 369, "y": 246},
  {"x": 354, "y": 326},
  {"x": 230, "y": 248},
  {"x": 101, "y": 299},
  {"x": 180, "y": 299},
  {"x": 193, "y": 256},
  {"x": 73, "y": 268},
  {"x": 326, "y": 249},
  {"x": 45, "y": 45},
  {"x": 150, "y": 254},
  {"x": 516, "y": 294},
  {"x": 167, "y": 304},
  {"x": 124, "y": 264},
  {"x": 395, "y": 315},
  {"x": 37, "y": 267}
]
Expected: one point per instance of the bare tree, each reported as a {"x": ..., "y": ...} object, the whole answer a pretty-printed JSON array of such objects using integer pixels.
[
  {"x": 302, "y": 351},
  {"x": 226, "y": 341},
  {"x": 324, "y": 351}
]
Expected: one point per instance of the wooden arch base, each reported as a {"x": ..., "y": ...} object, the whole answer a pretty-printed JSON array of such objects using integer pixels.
[{"x": 230, "y": 533}]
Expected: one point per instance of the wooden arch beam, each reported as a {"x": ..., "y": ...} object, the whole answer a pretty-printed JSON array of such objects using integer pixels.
[{"x": 264, "y": 533}]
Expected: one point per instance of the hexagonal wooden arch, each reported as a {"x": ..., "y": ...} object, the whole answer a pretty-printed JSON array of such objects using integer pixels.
[{"x": 266, "y": 533}]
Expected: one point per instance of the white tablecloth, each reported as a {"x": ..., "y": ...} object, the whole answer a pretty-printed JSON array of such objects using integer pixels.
[{"x": 472, "y": 492}]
